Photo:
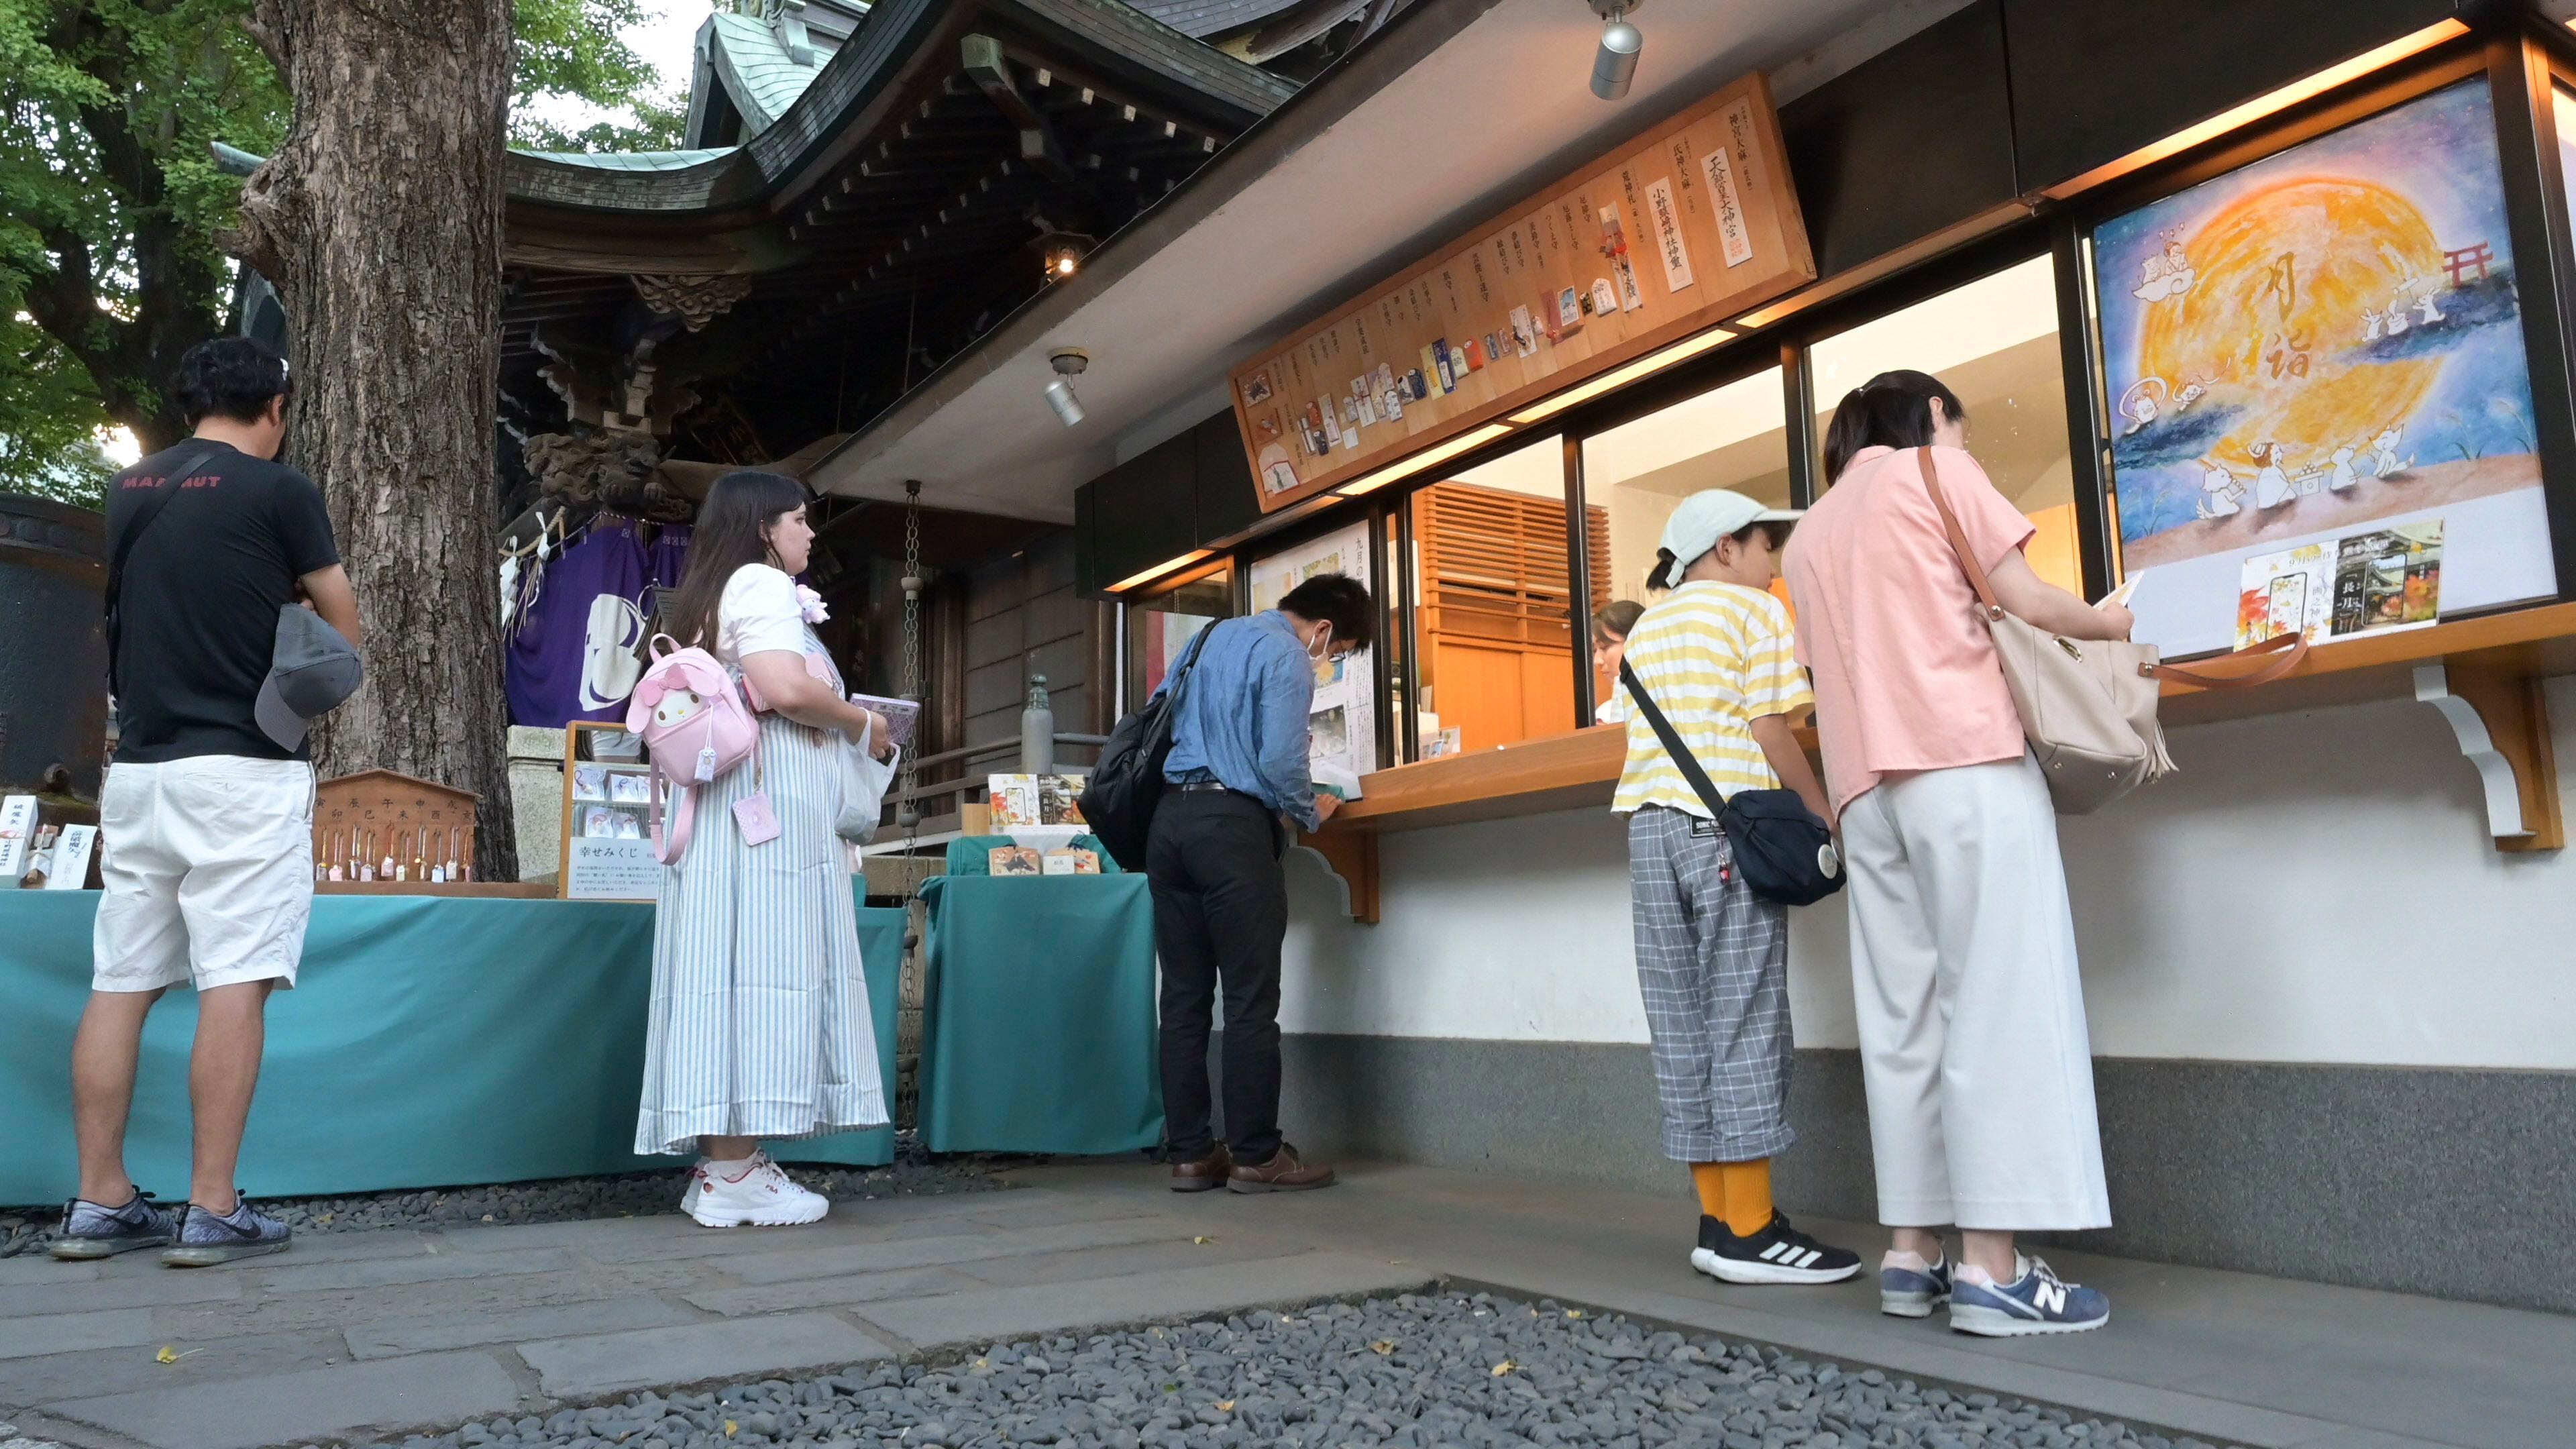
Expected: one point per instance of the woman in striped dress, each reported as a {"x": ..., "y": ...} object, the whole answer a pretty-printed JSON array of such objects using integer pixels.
[{"x": 760, "y": 1026}]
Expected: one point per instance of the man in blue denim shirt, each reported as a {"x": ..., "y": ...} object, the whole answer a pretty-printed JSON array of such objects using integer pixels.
[{"x": 1235, "y": 777}]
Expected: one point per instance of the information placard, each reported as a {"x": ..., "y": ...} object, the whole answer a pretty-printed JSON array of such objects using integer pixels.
[
  {"x": 1683, "y": 227},
  {"x": 604, "y": 868}
]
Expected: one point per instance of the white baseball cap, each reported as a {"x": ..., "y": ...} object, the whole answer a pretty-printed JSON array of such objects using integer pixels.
[{"x": 1709, "y": 515}]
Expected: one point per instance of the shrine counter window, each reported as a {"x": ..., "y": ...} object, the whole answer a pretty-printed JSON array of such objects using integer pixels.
[
  {"x": 1994, "y": 343},
  {"x": 1734, "y": 436}
]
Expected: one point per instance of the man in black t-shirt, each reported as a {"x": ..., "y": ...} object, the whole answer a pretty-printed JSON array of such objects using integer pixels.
[{"x": 208, "y": 811}]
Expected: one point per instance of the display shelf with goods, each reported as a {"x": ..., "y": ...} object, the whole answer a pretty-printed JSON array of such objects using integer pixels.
[
  {"x": 607, "y": 817},
  {"x": 379, "y": 832}
]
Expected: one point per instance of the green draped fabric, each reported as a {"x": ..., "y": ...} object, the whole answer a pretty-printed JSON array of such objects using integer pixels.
[
  {"x": 1039, "y": 1032},
  {"x": 431, "y": 1042}
]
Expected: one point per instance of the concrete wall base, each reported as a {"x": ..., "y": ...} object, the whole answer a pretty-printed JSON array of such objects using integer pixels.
[{"x": 2455, "y": 1184}]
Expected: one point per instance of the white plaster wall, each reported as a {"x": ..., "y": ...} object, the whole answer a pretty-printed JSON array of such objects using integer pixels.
[{"x": 2312, "y": 888}]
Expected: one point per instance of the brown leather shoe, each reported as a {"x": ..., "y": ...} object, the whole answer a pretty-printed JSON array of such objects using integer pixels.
[
  {"x": 1204, "y": 1175},
  {"x": 1284, "y": 1172}
]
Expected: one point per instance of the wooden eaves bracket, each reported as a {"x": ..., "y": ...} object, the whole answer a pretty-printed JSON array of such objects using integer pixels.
[
  {"x": 1351, "y": 856},
  {"x": 2501, "y": 719}
]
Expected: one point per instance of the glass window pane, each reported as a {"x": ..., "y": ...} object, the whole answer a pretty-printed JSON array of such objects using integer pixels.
[
  {"x": 1636, "y": 474},
  {"x": 1159, "y": 628},
  {"x": 1994, "y": 342},
  {"x": 1494, "y": 644}
]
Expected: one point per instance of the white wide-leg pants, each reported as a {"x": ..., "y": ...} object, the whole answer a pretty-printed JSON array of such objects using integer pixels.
[{"x": 1972, "y": 1038}]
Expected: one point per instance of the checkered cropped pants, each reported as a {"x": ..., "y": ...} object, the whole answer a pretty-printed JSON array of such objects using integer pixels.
[{"x": 1712, "y": 962}]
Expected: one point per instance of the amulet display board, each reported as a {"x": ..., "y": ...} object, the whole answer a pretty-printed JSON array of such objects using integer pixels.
[{"x": 1684, "y": 226}]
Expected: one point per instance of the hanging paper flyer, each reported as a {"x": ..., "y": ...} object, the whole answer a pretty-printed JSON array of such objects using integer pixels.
[
  {"x": 2388, "y": 578},
  {"x": 2290, "y": 592}
]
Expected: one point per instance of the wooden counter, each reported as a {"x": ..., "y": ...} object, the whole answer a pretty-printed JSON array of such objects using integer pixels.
[{"x": 2483, "y": 674}]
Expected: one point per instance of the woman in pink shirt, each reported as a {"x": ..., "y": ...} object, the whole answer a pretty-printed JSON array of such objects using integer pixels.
[{"x": 1972, "y": 1035}]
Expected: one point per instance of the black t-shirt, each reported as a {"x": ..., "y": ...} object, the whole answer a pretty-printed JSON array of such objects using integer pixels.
[{"x": 202, "y": 588}]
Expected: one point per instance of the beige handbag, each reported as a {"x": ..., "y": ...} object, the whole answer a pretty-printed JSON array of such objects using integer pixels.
[{"x": 2088, "y": 706}]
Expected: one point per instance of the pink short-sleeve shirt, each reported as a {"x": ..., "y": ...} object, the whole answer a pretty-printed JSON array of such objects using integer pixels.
[{"x": 1906, "y": 674}]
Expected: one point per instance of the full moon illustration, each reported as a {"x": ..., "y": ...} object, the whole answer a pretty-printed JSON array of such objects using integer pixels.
[{"x": 2290, "y": 272}]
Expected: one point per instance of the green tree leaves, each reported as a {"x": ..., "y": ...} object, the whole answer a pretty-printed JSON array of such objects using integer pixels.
[{"x": 110, "y": 200}]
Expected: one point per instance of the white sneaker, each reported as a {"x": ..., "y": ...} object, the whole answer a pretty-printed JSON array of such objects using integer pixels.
[{"x": 762, "y": 1196}]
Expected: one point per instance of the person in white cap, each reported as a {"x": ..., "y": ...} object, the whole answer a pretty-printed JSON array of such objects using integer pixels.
[{"x": 1716, "y": 657}]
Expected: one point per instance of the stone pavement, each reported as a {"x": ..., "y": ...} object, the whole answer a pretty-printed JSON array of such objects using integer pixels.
[{"x": 351, "y": 1335}]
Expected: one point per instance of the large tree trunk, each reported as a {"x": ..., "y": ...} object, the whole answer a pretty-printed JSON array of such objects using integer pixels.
[{"x": 379, "y": 221}]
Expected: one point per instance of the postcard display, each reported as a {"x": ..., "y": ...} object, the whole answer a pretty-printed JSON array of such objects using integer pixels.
[
  {"x": 1344, "y": 714},
  {"x": 2321, "y": 409},
  {"x": 1683, "y": 227}
]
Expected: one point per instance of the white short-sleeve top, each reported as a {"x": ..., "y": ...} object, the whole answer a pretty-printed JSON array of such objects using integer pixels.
[{"x": 759, "y": 612}]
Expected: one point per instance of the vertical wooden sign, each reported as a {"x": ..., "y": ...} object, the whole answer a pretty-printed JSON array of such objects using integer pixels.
[{"x": 1681, "y": 228}]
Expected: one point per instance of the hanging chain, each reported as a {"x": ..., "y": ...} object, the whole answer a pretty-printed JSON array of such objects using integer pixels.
[{"x": 909, "y": 813}]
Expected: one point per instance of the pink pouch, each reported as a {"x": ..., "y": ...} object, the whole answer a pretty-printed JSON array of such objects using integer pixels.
[{"x": 758, "y": 823}]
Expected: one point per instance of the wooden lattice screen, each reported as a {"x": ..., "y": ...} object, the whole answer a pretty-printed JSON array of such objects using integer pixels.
[{"x": 1496, "y": 609}]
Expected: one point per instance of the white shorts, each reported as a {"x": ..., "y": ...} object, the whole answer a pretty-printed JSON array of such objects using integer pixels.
[{"x": 209, "y": 873}]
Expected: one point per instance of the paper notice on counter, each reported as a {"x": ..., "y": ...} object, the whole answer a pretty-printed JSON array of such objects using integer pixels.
[{"x": 17, "y": 830}]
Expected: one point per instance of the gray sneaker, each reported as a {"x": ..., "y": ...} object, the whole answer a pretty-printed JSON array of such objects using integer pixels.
[
  {"x": 205, "y": 1239},
  {"x": 91, "y": 1230}
]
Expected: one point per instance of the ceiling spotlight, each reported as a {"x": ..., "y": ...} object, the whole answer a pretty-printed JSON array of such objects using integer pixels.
[
  {"x": 1614, "y": 66},
  {"x": 1068, "y": 363},
  {"x": 1064, "y": 252}
]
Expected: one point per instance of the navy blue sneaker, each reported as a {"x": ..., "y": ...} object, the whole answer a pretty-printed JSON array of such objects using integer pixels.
[
  {"x": 2040, "y": 1302},
  {"x": 1909, "y": 1292},
  {"x": 92, "y": 1230},
  {"x": 205, "y": 1239}
]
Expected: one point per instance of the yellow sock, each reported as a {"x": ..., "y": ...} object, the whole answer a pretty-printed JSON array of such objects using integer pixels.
[
  {"x": 1747, "y": 1195},
  {"x": 1710, "y": 1179}
]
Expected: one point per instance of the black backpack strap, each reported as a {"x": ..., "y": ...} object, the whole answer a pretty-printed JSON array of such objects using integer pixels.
[
  {"x": 1683, "y": 759},
  {"x": 1189, "y": 661},
  {"x": 150, "y": 510}
]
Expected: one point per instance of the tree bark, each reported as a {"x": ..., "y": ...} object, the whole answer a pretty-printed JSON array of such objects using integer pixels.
[{"x": 379, "y": 222}]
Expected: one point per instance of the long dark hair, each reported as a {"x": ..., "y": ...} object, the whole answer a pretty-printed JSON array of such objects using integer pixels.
[
  {"x": 739, "y": 505},
  {"x": 1891, "y": 410}
]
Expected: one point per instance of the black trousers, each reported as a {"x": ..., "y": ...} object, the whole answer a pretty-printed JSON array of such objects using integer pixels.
[{"x": 1220, "y": 914}]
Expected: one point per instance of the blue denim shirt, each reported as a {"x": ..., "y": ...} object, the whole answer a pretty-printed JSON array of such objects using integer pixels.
[{"x": 1243, "y": 720}]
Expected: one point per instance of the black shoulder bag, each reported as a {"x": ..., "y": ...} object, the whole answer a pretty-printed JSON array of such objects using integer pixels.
[
  {"x": 1127, "y": 782},
  {"x": 1786, "y": 853},
  {"x": 149, "y": 510}
]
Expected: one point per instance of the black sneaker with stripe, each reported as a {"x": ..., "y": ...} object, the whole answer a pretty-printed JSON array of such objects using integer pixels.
[{"x": 1777, "y": 1254}]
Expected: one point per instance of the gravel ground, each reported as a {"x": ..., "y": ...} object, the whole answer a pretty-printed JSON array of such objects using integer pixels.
[
  {"x": 564, "y": 1199},
  {"x": 1434, "y": 1370}
]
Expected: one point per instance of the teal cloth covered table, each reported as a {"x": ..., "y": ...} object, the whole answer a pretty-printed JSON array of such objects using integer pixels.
[
  {"x": 1038, "y": 1034},
  {"x": 429, "y": 1042}
]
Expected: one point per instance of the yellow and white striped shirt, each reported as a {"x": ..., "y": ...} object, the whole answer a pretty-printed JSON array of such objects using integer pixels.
[{"x": 1715, "y": 657}]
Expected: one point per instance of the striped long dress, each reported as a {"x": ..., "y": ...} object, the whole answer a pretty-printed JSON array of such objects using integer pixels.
[{"x": 760, "y": 1024}]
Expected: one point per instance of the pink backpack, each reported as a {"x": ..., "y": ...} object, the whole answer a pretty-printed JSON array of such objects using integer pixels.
[{"x": 695, "y": 727}]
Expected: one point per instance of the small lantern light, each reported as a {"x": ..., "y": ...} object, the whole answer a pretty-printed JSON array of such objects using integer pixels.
[{"x": 1064, "y": 252}]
